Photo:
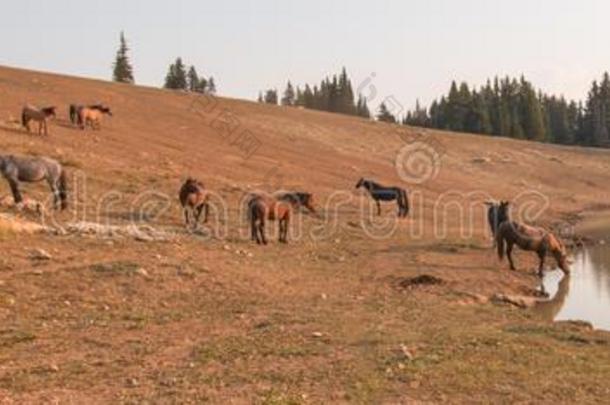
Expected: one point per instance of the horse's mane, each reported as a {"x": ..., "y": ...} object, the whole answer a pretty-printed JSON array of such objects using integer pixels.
[{"x": 49, "y": 110}]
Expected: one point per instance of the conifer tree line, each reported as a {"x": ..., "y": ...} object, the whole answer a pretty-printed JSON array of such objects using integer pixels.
[
  {"x": 333, "y": 94},
  {"x": 514, "y": 108},
  {"x": 179, "y": 78}
]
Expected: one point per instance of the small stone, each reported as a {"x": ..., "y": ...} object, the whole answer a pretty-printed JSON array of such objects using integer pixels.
[
  {"x": 54, "y": 368},
  {"x": 142, "y": 272},
  {"x": 250, "y": 255},
  {"x": 132, "y": 382},
  {"x": 317, "y": 334},
  {"x": 40, "y": 254},
  {"x": 226, "y": 247},
  {"x": 324, "y": 297},
  {"x": 67, "y": 303},
  {"x": 406, "y": 352}
]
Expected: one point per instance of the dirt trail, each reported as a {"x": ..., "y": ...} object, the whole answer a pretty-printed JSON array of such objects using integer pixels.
[{"x": 212, "y": 317}]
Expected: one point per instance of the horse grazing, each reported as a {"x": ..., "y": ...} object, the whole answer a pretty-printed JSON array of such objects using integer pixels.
[
  {"x": 299, "y": 199},
  {"x": 17, "y": 169},
  {"x": 382, "y": 193},
  {"x": 194, "y": 200},
  {"x": 40, "y": 115},
  {"x": 92, "y": 115},
  {"x": 497, "y": 213},
  {"x": 262, "y": 208},
  {"x": 530, "y": 239}
]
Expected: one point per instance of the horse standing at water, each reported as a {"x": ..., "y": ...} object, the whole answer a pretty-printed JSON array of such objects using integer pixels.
[
  {"x": 382, "y": 193},
  {"x": 530, "y": 239},
  {"x": 262, "y": 208},
  {"x": 194, "y": 200},
  {"x": 92, "y": 116},
  {"x": 17, "y": 169},
  {"x": 40, "y": 115}
]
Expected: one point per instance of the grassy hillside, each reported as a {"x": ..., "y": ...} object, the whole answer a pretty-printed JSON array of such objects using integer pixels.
[{"x": 214, "y": 317}]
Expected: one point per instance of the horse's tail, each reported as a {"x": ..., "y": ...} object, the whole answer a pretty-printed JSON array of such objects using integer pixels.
[
  {"x": 24, "y": 118},
  {"x": 63, "y": 189},
  {"x": 500, "y": 244},
  {"x": 405, "y": 201}
]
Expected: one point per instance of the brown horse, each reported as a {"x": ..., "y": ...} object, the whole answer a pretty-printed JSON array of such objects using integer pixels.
[
  {"x": 92, "y": 116},
  {"x": 194, "y": 199},
  {"x": 40, "y": 115},
  {"x": 530, "y": 239},
  {"x": 262, "y": 208}
]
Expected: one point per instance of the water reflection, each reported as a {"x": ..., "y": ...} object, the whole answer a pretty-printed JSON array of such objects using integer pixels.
[{"x": 585, "y": 295}]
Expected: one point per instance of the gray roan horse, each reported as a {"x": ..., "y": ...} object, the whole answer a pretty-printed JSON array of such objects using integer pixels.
[
  {"x": 40, "y": 115},
  {"x": 30, "y": 169}
]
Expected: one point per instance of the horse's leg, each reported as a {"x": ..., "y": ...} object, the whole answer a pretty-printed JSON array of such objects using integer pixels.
[
  {"x": 254, "y": 231},
  {"x": 378, "y": 207},
  {"x": 541, "y": 256},
  {"x": 206, "y": 213},
  {"x": 186, "y": 216},
  {"x": 282, "y": 226},
  {"x": 509, "y": 254},
  {"x": 198, "y": 211},
  {"x": 261, "y": 230},
  {"x": 15, "y": 190}
]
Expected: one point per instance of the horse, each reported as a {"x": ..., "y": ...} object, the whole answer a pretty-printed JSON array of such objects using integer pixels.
[
  {"x": 40, "y": 115},
  {"x": 299, "y": 199},
  {"x": 262, "y": 208},
  {"x": 30, "y": 169},
  {"x": 74, "y": 111},
  {"x": 530, "y": 239},
  {"x": 194, "y": 199},
  {"x": 92, "y": 115},
  {"x": 382, "y": 193},
  {"x": 497, "y": 213}
]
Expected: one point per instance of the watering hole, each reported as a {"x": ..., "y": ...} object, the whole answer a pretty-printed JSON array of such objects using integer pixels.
[{"x": 583, "y": 295}]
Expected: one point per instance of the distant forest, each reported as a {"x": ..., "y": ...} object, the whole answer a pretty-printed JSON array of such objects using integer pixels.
[
  {"x": 513, "y": 108},
  {"x": 503, "y": 107},
  {"x": 333, "y": 94}
]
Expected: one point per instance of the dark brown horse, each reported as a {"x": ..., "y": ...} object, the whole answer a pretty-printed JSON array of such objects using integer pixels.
[
  {"x": 262, "y": 208},
  {"x": 194, "y": 200},
  {"x": 40, "y": 115},
  {"x": 299, "y": 199},
  {"x": 530, "y": 239}
]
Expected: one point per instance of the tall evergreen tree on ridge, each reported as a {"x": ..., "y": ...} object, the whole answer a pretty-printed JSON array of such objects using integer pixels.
[
  {"x": 176, "y": 76},
  {"x": 122, "y": 71},
  {"x": 289, "y": 96},
  {"x": 384, "y": 115}
]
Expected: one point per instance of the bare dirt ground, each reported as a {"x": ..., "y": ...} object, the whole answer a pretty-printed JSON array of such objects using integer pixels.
[{"x": 329, "y": 317}]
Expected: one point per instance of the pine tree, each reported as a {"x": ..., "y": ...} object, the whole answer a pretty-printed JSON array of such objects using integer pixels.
[
  {"x": 260, "y": 97},
  {"x": 176, "y": 76},
  {"x": 384, "y": 115},
  {"x": 289, "y": 96},
  {"x": 122, "y": 69},
  {"x": 271, "y": 97},
  {"x": 193, "y": 80},
  {"x": 211, "y": 86}
]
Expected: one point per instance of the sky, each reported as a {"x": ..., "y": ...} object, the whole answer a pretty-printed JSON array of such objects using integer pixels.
[{"x": 404, "y": 50}]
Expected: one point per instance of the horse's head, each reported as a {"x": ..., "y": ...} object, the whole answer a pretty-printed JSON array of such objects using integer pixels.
[
  {"x": 560, "y": 253},
  {"x": 360, "y": 183},
  {"x": 50, "y": 111},
  {"x": 307, "y": 201}
]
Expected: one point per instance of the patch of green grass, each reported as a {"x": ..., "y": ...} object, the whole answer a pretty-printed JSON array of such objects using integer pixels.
[{"x": 115, "y": 268}]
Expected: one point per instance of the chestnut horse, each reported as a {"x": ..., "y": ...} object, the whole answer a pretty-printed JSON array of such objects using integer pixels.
[
  {"x": 40, "y": 115},
  {"x": 92, "y": 116},
  {"x": 194, "y": 200},
  {"x": 262, "y": 208},
  {"x": 531, "y": 239}
]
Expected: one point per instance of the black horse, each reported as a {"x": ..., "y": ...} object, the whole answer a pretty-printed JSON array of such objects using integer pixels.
[
  {"x": 497, "y": 213},
  {"x": 381, "y": 193}
]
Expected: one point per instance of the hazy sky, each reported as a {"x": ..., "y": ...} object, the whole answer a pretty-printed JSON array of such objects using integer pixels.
[{"x": 413, "y": 48}]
